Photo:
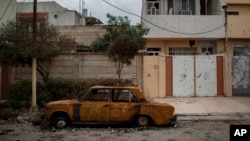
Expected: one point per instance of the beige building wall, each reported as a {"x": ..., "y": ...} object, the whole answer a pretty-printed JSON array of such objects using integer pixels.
[
  {"x": 239, "y": 25},
  {"x": 83, "y": 35},
  {"x": 165, "y": 44},
  {"x": 151, "y": 76},
  {"x": 238, "y": 29}
]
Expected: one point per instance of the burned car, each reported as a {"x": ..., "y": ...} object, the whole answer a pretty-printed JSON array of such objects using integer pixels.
[{"x": 109, "y": 105}]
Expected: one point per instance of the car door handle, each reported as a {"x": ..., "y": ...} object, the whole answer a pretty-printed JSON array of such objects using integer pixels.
[{"x": 106, "y": 105}]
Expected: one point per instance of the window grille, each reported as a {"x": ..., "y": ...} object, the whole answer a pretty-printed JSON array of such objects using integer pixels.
[{"x": 182, "y": 51}]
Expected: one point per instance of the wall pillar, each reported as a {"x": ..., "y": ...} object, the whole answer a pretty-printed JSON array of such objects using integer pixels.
[
  {"x": 162, "y": 75},
  {"x": 228, "y": 72}
]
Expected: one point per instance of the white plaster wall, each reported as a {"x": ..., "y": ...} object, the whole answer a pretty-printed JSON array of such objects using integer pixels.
[
  {"x": 183, "y": 26},
  {"x": 206, "y": 75}
]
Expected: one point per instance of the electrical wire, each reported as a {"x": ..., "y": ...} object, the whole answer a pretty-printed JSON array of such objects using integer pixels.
[
  {"x": 5, "y": 9},
  {"x": 163, "y": 27}
]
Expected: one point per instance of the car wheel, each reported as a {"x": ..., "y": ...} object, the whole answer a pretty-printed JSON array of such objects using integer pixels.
[
  {"x": 142, "y": 121},
  {"x": 60, "y": 122}
]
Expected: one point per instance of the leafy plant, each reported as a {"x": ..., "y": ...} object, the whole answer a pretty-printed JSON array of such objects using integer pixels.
[{"x": 19, "y": 94}]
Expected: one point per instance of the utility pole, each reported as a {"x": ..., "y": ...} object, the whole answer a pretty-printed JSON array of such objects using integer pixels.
[
  {"x": 228, "y": 58},
  {"x": 33, "y": 107},
  {"x": 226, "y": 24}
]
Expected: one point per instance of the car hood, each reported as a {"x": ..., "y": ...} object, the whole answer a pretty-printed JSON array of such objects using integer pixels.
[{"x": 63, "y": 102}]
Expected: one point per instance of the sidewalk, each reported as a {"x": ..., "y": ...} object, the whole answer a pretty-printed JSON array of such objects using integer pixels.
[{"x": 209, "y": 108}]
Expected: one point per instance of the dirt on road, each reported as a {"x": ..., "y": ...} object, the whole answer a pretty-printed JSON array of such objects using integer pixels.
[{"x": 181, "y": 131}]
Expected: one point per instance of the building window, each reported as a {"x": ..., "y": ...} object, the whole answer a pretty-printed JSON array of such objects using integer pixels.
[
  {"x": 207, "y": 50},
  {"x": 241, "y": 51},
  {"x": 207, "y": 47},
  {"x": 206, "y": 7},
  {"x": 27, "y": 25},
  {"x": 153, "y": 51},
  {"x": 182, "y": 51},
  {"x": 153, "y": 7},
  {"x": 181, "y": 7},
  {"x": 232, "y": 13}
]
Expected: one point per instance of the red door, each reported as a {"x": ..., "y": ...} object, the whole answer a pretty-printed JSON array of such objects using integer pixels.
[{"x": 4, "y": 81}]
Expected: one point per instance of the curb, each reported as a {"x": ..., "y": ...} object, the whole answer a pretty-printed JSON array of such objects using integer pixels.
[{"x": 212, "y": 116}]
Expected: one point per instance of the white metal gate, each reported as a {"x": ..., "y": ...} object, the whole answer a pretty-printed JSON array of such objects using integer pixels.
[{"x": 194, "y": 76}]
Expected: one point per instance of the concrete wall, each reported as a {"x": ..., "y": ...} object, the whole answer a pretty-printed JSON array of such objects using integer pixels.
[
  {"x": 83, "y": 35},
  {"x": 83, "y": 66}
]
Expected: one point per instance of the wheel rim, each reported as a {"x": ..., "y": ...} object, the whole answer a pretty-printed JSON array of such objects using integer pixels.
[
  {"x": 143, "y": 121},
  {"x": 61, "y": 124}
]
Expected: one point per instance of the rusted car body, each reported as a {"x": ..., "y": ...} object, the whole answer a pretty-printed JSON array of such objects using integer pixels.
[{"x": 109, "y": 105}]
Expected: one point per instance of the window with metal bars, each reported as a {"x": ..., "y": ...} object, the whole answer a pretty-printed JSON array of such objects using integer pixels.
[{"x": 182, "y": 51}]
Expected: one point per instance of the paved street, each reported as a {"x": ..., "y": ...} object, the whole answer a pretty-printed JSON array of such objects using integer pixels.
[{"x": 210, "y": 108}]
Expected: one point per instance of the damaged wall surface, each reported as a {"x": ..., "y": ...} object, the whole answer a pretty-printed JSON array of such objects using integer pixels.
[
  {"x": 185, "y": 76},
  {"x": 241, "y": 75}
]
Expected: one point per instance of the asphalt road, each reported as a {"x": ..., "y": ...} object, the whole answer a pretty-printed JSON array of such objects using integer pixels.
[{"x": 180, "y": 131}]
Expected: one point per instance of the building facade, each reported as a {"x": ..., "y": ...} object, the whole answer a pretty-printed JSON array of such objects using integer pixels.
[
  {"x": 191, "y": 45},
  {"x": 238, "y": 45},
  {"x": 55, "y": 14}
]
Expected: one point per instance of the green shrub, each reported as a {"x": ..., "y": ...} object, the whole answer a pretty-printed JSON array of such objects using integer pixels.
[
  {"x": 20, "y": 94},
  {"x": 8, "y": 113}
]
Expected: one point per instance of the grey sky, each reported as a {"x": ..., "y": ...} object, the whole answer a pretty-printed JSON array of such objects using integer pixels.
[{"x": 99, "y": 9}]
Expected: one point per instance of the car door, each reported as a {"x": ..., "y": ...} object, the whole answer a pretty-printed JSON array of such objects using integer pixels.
[
  {"x": 124, "y": 105},
  {"x": 95, "y": 108}
]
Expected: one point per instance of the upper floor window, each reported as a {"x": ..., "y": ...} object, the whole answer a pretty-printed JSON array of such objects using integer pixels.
[
  {"x": 27, "y": 25},
  {"x": 232, "y": 13},
  {"x": 153, "y": 7},
  {"x": 181, "y": 7},
  {"x": 25, "y": 20}
]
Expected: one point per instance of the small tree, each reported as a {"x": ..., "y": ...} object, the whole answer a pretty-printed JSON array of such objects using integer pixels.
[
  {"x": 17, "y": 46},
  {"x": 121, "y": 52},
  {"x": 120, "y": 26}
]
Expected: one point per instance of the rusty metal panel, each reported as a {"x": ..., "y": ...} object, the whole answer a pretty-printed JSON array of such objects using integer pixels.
[
  {"x": 206, "y": 75},
  {"x": 220, "y": 76},
  {"x": 183, "y": 76},
  {"x": 169, "y": 76}
]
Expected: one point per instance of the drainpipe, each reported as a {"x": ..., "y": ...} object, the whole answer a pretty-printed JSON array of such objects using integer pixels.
[{"x": 224, "y": 6}]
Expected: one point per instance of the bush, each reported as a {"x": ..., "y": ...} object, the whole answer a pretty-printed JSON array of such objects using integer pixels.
[
  {"x": 20, "y": 94},
  {"x": 7, "y": 113}
]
